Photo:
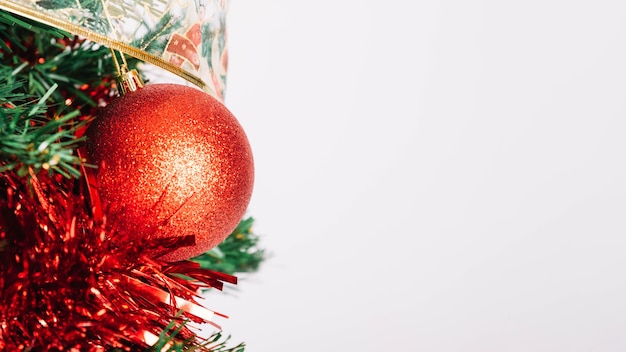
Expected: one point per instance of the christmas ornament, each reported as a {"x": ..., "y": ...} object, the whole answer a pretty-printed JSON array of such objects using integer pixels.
[{"x": 172, "y": 162}]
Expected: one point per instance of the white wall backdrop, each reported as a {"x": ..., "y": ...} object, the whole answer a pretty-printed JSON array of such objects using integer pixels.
[{"x": 433, "y": 175}]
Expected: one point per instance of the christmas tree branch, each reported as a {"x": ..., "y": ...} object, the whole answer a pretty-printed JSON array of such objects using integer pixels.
[
  {"x": 238, "y": 253},
  {"x": 34, "y": 26},
  {"x": 214, "y": 343},
  {"x": 28, "y": 140},
  {"x": 52, "y": 85}
]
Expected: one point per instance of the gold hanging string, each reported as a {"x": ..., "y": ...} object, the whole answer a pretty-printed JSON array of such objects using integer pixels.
[
  {"x": 124, "y": 63},
  {"x": 117, "y": 64}
]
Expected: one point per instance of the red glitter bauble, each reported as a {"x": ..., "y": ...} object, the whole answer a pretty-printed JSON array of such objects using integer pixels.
[{"x": 172, "y": 162}]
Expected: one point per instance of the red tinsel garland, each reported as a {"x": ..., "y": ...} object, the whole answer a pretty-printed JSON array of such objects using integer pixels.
[{"x": 64, "y": 285}]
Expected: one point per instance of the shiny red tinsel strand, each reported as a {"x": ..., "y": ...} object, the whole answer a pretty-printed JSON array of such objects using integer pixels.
[{"x": 65, "y": 286}]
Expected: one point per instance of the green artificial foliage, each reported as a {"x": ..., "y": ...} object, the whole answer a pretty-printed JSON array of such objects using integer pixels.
[
  {"x": 215, "y": 343},
  {"x": 238, "y": 253},
  {"x": 51, "y": 85},
  {"x": 31, "y": 142}
]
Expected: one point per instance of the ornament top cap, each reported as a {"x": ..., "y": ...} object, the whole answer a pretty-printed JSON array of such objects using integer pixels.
[{"x": 129, "y": 81}]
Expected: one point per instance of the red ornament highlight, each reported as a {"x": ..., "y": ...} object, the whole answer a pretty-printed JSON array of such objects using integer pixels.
[{"x": 172, "y": 162}]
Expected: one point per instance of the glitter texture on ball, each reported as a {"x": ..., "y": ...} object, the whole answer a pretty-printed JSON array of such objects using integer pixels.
[{"x": 172, "y": 161}]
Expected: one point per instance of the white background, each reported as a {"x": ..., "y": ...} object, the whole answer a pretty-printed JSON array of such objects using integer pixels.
[{"x": 432, "y": 175}]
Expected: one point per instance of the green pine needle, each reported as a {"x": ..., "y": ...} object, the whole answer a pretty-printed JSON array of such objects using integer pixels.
[
  {"x": 29, "y": 141},
  {"x": 238, "y": 253},
  {"x": 167, "y": 341},
  {"x": 35, "y": 26}
]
